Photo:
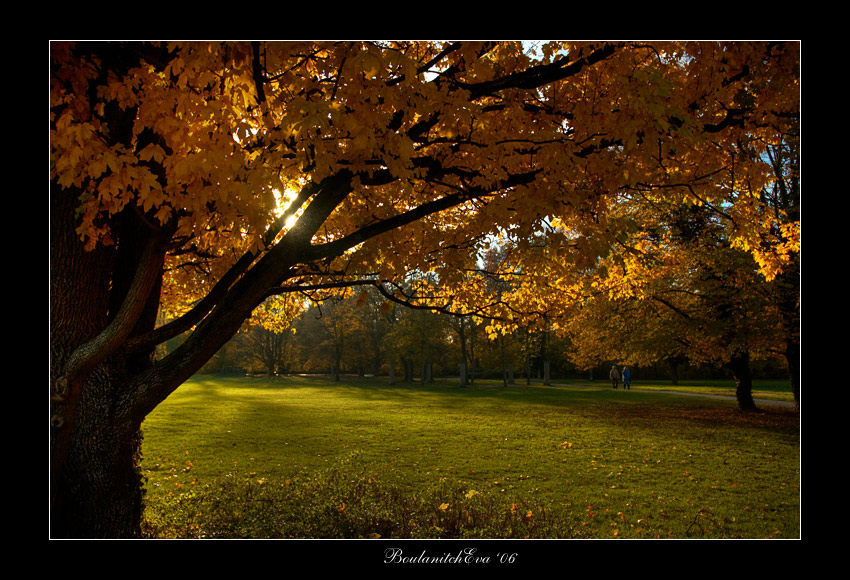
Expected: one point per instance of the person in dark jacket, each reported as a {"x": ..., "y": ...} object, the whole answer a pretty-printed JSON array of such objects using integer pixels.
[{"x": 614, "y": 375}]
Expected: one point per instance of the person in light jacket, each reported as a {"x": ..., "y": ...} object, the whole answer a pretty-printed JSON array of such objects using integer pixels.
[
  {"x": 614, "y": 375},
  {"x": 627, "y": 379}
]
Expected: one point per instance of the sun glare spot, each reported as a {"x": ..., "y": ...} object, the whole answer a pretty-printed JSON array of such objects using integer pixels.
[{"x": 282, "y": 202}]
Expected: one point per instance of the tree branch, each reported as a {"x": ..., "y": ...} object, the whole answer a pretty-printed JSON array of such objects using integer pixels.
[
  {"x": 538, "y": 76},
  {"x": 338, "y": 247},
  {"x": 89, "y": 355},
  {"x": 220, "y": 289}
]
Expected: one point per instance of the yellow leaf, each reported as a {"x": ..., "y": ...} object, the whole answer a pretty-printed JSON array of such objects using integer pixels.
[{"x": 152, "y": 152}]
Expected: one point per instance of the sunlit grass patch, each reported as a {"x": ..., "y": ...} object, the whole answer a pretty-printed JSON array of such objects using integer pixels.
[{"x": 313, "y": 458}]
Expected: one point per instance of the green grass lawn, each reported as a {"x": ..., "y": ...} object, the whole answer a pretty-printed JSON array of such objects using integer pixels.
[{"x": 308, "y": 457}]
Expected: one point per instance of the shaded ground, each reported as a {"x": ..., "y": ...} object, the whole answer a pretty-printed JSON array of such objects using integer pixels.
[{"x": 683, "y": 393}]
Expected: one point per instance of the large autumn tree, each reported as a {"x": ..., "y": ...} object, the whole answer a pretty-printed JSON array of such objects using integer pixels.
[
  {"x": 678, "y": 292},
  {"x": 196, "y": 180}
]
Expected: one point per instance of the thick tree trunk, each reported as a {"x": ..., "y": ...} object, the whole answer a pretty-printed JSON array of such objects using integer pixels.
[
  {"x": 98, "y": 490},
  {"x": 675, "y": 363},
  {"x": 739, "y": 365},
  {"x": 95, "y": 490}
]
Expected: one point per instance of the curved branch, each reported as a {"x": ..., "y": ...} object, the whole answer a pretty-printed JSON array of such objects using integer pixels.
[
  {"x": 338, "y": 247},
  {"x": 220, "y": 289},
  {"x": 236, "y": 300},
  {"x": 444, "y": 309},
  {"x": 538, "y": 76},
  {"x": 89, "y": 355},
  {"x": 324, "y": 286}
]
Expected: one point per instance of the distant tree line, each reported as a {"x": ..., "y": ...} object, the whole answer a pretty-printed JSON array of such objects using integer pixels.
[{"x": 359, "y": 334}]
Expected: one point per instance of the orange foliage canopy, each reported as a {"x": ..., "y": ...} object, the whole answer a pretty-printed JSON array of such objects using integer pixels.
[{"x": 368, "y": 159}]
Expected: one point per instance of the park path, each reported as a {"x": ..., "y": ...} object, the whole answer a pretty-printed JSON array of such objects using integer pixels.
[{"x": 685, "y": 394}]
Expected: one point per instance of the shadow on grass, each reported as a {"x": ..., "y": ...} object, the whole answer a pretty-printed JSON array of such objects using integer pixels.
[{"x": 603, "y": 404}]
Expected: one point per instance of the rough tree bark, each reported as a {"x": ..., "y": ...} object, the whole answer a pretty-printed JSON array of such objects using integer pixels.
[{"x": 95, "y": 489}]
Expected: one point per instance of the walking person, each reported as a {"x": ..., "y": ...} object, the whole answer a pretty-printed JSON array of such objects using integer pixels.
[
  {"x": 627, "y": 378},
  {"x": 614, "y": 375}
]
